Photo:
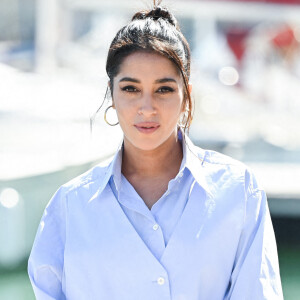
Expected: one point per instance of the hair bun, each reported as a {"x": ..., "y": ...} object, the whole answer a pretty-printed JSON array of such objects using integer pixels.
[{"x": 156, "y": 13}]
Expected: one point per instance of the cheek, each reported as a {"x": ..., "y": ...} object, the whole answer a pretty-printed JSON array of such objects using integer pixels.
[
  {"x": 118, "y": 102},
  {"x": 173, "y": 113},
  {"x": 181, "y": 104},
  {"x": 124, "y": 110}
]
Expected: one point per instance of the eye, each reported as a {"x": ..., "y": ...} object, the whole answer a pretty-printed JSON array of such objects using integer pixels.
[
  {"x": 165, "y": 90},
  {"x": 129, "y": 89}
]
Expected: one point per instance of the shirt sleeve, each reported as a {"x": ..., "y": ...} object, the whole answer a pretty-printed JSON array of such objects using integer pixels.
[
  {"x": 45, "y": 264},
  {"x": 256, "y": 270}
]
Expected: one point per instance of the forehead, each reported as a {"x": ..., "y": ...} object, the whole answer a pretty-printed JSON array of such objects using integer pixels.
[{"x": 147, "y": 64}]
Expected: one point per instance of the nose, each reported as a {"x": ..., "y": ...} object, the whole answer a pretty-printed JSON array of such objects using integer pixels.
[{"x": 147, "y": 105}]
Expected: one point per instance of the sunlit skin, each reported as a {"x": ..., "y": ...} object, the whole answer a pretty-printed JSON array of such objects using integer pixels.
[{"x": 148, "y": 96}]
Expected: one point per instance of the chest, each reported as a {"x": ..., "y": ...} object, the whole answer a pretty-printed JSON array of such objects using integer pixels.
[{"x": 103, "y": 245}]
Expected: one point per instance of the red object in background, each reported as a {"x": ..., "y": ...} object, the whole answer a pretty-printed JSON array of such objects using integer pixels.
[
  {"x": 285, "y": 37},
  {"x": 236, "y": 40}
]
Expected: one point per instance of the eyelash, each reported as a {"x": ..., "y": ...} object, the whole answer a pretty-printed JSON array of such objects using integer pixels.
[
  {"x": 129, "y": 89},
  {"x": 161, "y": 90}
]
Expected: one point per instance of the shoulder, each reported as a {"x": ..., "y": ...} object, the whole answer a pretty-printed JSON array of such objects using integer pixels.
[
  {"x": 94, "y": 177},
  {"x": 217, "y": 163},
  {"x": 76, "y": 192},
  {"x": 214, "y": 159},
  {"x": 211, "y": 157}
]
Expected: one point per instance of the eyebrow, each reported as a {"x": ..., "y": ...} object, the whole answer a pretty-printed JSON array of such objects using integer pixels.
[{"x": 162, "y": 80}]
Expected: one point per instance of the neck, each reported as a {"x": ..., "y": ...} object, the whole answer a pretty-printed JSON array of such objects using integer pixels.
[{"x": 152, "y": 163}]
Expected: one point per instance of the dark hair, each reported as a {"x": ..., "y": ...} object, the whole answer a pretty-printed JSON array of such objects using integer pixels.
[{"x": 154, "y": 30}]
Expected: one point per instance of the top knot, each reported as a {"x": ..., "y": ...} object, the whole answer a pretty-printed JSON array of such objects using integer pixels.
[{"x": 156, "y": 13}]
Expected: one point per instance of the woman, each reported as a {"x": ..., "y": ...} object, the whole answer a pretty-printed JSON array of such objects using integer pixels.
[{"x": 164, "y": 219}]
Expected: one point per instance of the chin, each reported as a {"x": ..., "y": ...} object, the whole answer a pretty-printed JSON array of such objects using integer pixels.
[
  {"x": 146, "y": 146},
  {"x": 148, "y": 142}
]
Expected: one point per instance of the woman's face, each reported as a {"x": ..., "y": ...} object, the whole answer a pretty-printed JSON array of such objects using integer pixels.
[{"x": 148, "y": 98}]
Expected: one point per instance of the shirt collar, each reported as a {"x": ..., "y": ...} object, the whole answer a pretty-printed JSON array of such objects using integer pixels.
[
  {"x": 116, "y": 168},
  {"x": 193, "y": 159},
  {"x": 111, "y": 166}
]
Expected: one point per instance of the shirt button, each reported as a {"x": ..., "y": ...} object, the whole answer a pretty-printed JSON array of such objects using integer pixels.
[
  {"x": 160, "y": 280},
  {"x": 180, "y": 174},
  {"x": 155, "y": 226}
]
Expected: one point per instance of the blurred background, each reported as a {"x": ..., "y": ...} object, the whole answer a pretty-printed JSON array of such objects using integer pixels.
[{"x": 246, "y": 87}]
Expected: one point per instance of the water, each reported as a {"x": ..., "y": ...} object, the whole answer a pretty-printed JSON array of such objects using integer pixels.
[
  {"x": 15, "y": 286},
  {"x": 289, "y": 261}
]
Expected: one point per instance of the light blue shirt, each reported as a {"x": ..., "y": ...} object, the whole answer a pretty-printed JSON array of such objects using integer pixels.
[
  {"x": 209, "y": 237},
  {"x": 154, "y": 226}
]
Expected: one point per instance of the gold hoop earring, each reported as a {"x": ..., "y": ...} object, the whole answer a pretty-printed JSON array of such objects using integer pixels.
[{"x": 105, "y": 119}]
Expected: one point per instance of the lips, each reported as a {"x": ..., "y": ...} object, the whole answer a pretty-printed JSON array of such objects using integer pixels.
[{"x": 147, "y": 127}]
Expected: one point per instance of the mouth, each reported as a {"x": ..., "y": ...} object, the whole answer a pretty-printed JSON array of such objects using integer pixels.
[{"x": 147, "y": 127}]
